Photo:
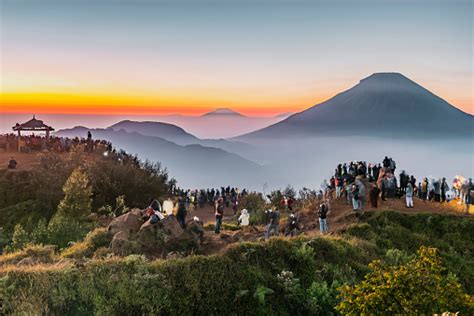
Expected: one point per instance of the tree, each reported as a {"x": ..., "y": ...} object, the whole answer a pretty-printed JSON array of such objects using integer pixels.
[
  {"x": 19, "y": 239},
  {"x": 70, "y": 221},
  {"x": 421, "y": 286}
]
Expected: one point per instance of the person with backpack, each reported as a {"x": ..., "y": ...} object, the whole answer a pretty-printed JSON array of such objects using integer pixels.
[
  {"x": 272, "y": 227},
  {"x": 181, "y": 213},
  {"x": 323, "y": 210},
  {"x": 219, "y": 212}
]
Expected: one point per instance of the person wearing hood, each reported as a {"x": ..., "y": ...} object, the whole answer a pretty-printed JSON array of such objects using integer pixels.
[
  {"x": 244, "y": 218},
  {"x": 168, "y": 207},
  {"x": 409, "y": 195}
]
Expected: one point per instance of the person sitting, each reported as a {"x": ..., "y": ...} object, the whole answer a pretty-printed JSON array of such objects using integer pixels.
[
  {"x": 244, "y": 218},
  {"x": 12, "y": 163}
]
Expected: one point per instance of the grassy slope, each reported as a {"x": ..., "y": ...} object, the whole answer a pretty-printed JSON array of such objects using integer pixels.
[{"x": 227, "y": 283}]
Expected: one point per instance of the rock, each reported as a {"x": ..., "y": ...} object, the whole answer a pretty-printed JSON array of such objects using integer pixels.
[
  {"x": 121, "y": 244},
  {"x": 167, "y": 236},
  {"x": 129, "y": 223}
]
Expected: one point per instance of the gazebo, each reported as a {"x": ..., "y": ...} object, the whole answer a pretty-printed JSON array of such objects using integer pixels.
[{"x": 32, "y": 125}]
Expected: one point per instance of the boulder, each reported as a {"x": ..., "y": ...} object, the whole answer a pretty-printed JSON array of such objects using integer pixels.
[
  {"x": 121, "y": 244},
  {"x": 167, "y": 235},
  {"x": 129, "y": 223}
]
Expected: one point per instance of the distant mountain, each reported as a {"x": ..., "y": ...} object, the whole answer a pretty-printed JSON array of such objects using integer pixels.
[
  {"x": 192, "y": 165},
  {"x": 223, "y": 112},
  {"x": 383, "y": 104},
  {"x": 284, "y": 115},
  {"x": 179, "y": 136},
  {"x": 167, "y": 131}
]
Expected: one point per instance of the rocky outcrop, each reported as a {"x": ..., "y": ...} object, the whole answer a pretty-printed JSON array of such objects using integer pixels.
[
  {"x": 132, "y": 235},
  {"x": 128, "y": 223}
]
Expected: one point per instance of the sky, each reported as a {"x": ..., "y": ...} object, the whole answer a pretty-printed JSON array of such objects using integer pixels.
[{"x": 260, "y": 58}]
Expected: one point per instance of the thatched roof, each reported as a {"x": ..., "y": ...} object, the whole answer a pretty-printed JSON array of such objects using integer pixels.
[{"x": 32, "y": 125}]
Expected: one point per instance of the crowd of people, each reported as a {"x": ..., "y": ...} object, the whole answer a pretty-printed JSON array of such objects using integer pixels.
[{"x": 37, "y": 143}]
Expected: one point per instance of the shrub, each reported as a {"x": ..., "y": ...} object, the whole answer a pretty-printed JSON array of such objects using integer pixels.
[
  {"x": 85, "y": 249},
  {"x": 38, "y": 253},
  {"x": 421, "y": 286}
]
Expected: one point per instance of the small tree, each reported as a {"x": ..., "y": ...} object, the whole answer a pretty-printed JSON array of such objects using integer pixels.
[
  {"x": 40, "y": 234},
  {"x": 69, "y": 222},
  {"x": 421, "y": 286},
  {"x": 77, "y": 196},
  {"x": 19, "y": 239}
]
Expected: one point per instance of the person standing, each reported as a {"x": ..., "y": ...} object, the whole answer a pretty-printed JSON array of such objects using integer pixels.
[
  {"x": 444, "y": 189},
  {"x": 361, "y": 189},
  {"x": 424, "y": 189},
  {"x": 323, "y": 210},
  {"x": 272, "y": 227},
  {"x": 355, "y": 197},
  {"x": 409, "y": 195},
  {"x": 374, "y": 196},
  {"x": 181, "y": 213},
  {"x": 219, "y": 211}
]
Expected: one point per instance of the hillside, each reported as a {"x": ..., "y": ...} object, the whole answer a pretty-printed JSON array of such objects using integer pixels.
[
  {"x": 383, "y": 104},
  {"x": 179, "y": 136},
  {"x": 191, "y": 165}
]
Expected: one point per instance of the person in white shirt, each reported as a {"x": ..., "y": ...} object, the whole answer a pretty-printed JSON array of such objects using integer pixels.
[{"x": 244, "y": 218}]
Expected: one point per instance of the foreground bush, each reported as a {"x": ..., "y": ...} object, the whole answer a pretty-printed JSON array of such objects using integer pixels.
[
  {"x": 279, "y": 277},
  {"x": 94, "y": 240},
  {"x": 420, "y": 287}
]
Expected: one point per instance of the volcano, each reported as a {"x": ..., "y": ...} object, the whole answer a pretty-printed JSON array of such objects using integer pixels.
[{"x": 383, "y": 104}]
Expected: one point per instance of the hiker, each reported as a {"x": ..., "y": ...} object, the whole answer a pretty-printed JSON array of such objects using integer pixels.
[
  {"x": 323, "y": 210},
  {"x": 374, "y": 196},
  {"x": 182, "y": 212},
  {"x": 424, "y": 189},
  {"x": 361, "y": 189},
  {"x": 339, "y": 184},
  {"x": 348, "y": 192},
  {"x": 468, "y": 200},
  {"x": 437, "y": 190},
  {"x": 403, "y": 181},
  {"x": 244, "y": 218},
  {"x": 219, "y": 212},
  {"x": 292, "y": 225},
  {"x": 272, "y": 226},
  {"x": 355, "y": 197},
  {"x": 12, "y": 163},
  {"x": 409, "y": 195},
  {"x": 444, "y": 189}
]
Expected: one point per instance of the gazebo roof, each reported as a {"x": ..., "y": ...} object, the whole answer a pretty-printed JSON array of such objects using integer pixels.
[{"x": 32, "y": 125}]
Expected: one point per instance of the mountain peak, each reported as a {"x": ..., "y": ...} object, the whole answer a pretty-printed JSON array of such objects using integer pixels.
[{"x": 223, "y": 111}]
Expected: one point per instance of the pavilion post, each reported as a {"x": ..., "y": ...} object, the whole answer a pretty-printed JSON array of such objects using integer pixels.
[{"x": 19, "y": 140}]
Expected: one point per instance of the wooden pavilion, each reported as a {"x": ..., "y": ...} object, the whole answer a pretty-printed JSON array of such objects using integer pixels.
[{"x": 32, "y": 125}]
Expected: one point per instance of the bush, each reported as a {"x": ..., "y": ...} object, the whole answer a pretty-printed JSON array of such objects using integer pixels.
[
  {"x": 85, "y": 249},
  {"x": 422, "y": 286},
  {"x": 38, "y": 253}
]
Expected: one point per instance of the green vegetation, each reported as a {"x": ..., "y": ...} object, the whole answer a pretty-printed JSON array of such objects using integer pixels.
[
  {"x": 451, "y": 235},
  {"x": 419, "y": 287},
  {"x": 52, "y": 203}
]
